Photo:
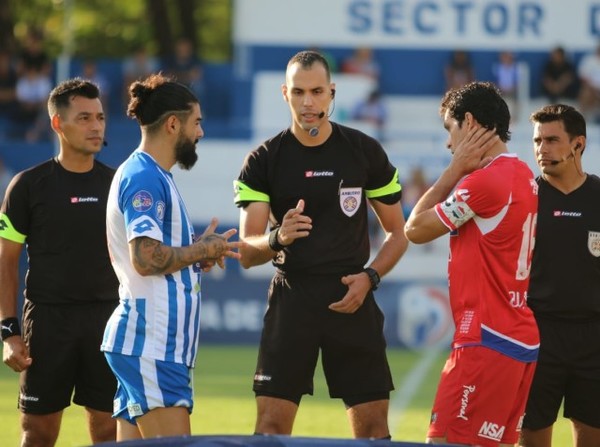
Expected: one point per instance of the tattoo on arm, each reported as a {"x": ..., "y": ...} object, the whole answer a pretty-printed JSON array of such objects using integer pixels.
[{"x": 153, "y": 257}]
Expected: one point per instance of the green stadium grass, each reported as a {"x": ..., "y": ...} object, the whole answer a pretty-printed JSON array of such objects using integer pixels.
[{"x": 224, "y": 402}]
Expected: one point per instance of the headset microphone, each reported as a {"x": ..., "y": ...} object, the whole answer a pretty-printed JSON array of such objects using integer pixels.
[
  {"x": 555, "y": 162},
  {"x": 314, "y": 131},
  {"x": 104, "y": 143}
]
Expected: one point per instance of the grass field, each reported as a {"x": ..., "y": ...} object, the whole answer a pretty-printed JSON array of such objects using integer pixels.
[{"x": 224, "y": 402}]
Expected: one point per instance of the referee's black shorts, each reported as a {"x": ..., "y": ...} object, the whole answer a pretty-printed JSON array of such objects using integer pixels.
[
  {"x": 568, "y": 367},
  {"x": 64, "y": 344},
  {"x": 298, "y": 323}
]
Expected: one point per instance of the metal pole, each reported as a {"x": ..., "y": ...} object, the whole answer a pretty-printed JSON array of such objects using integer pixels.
[{"x": 63, "y": 65}]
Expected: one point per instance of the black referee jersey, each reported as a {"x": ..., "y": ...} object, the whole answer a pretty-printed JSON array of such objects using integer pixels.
[
  {"x": 61, "y": 216},
  {"x": 334, "y": 179},
  {"x": 565, "y": 272}
]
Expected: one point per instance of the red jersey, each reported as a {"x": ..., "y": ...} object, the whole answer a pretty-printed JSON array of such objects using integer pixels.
[{"x": 492, "y": 216}]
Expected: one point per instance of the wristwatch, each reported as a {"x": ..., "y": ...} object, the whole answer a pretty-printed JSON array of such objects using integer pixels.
[{"x": 373, "y": 277}]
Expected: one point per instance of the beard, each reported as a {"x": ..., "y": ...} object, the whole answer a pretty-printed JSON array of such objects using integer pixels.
[{"x": 185, "y": 152}]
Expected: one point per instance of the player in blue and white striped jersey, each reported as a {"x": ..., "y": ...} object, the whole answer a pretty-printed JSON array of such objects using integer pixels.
[{"x": 151, "y": 339}]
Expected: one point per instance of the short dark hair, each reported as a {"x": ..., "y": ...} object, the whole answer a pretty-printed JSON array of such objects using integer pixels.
[
  {"x": 153, "y": 99},
  {"x": 308, "y": 58},
  {"x": 484, "y": 101},
  {"x": 62, "y": 94},
  {"x": 572, "y": 119}
]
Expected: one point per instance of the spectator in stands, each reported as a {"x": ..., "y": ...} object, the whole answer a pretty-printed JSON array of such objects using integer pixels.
[
  {"x": 559, "y": 77},
  {"x": 138, "y": 66},
  {"x": 362, "y": 62},
  {"x": 412, "y": 191},
  {"x": 33, "y": 56},
  {"x": 6, "y": 175},
  {"x": 506, "y": 78},
  {"x": 89, "y": 71},
  {"x": 186, "y": 67},
  {"x": 589, "y": 77},
  {"x": 372, "y": 110},
  {"x": 8, "y": 90},
  {"x": 459, "y": 70},
  {"x": 33, "y": 88}
]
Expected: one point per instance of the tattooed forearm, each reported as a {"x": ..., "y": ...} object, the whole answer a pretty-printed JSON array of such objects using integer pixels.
[{"x": 152, "y": 257}]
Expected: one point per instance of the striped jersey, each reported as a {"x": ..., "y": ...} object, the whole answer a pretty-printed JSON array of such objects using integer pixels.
[
  {"x": 158, "y": 316},
  {"x": 492, "y": 216}
]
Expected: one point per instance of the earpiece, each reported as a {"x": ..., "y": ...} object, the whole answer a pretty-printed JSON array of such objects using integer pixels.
[
  {"x": 332, "y": 93},
  {"x": 577, "y": 146}
]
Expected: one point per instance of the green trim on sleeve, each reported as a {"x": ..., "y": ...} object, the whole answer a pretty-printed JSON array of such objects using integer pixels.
[
  {"x": 243, "y": 193},
  {"x": 7, "y": 231},
  {"x": 391, "y": 188}
]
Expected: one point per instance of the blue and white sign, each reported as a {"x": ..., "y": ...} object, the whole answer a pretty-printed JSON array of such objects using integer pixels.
[{"x": 470, "y": 24}]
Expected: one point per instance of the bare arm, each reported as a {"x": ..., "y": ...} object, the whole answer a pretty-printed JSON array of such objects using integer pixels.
[
  {"x": 10, "y": 252},
  {"x": 254, "y": 219},
  {"x": 390, "y": 252},
  {"x": 423, "y": 224},
  {"x": 152, "y": 257},
  {"x": 253, "y": 224},
  {"x": 15, "y": 351}
]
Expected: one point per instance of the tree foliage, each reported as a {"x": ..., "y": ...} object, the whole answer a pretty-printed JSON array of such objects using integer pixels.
[{"x": 114, "y": 28}]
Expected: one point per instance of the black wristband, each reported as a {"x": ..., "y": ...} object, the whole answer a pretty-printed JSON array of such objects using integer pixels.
[
  {"x": 274, "y": 243},
  {"x": 373, "y": 277},
  {"x": 10, "y": 327}
]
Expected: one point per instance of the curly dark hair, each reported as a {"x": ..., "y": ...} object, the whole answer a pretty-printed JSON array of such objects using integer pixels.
[{"x": 484, "y": 101}]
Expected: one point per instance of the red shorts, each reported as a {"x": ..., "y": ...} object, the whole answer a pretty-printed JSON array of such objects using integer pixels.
[{"x": 481, "y": 398}]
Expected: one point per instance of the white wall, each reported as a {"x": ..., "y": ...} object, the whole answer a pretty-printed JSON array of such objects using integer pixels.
[{"x": 481, "y": 24}]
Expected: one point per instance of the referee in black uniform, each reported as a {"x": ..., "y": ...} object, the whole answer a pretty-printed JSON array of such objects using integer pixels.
[
  {"x": 564, "y": 292},
  {"x": 58, "y": 210},
  {"x": 312, "y": 184}
]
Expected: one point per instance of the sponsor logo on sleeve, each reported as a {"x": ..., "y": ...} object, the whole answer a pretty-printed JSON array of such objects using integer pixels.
[
  {"x": 142, "y": 201},
  {"x": 143, "y": 226}
]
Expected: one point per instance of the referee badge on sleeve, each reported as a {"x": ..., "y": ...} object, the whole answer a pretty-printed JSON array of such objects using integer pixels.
[
  {"x": 350, "y": 200},
  {"x": 594, "y": 243}
]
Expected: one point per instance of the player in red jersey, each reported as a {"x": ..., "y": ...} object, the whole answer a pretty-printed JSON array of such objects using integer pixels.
[{"x": 486, "y": 199}]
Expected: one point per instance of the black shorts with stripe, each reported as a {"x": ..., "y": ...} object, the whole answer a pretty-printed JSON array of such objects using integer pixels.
[
  {"x": 64, "y": 343},
  {"x": 568, "y": 368},
  {"x": 298, "y": 324}
]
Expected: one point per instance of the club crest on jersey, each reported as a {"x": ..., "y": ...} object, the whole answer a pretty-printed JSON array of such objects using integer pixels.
[
  {"x": 160, "y": 210},
  {"x": 350, "y": 200},
  {"x": 142, "y": 201},
  {"x": 594, "y": 243}
]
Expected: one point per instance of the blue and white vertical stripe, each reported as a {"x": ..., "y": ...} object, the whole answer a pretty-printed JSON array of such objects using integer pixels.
[{"x": 158, "y": 316}]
